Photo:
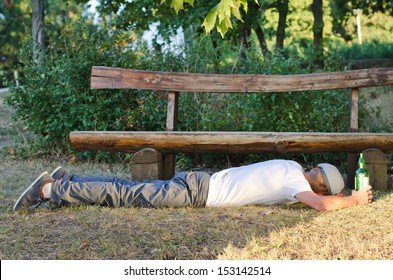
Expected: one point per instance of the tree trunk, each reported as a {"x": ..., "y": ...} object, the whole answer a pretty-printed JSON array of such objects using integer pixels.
[
  {"x": 262, "y": 40},
  {"x": 38, "y": 32},
  {"x": 244, "y": 34},
  {"x": 338, "y": 14},
  {"x": 282, "y": 7},
  {"x": 317, "y": 10},
  {"x": 252, "y": 20}
]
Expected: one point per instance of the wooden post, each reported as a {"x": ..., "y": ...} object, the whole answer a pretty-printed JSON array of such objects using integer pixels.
[
  {"x": 353, "y": 127},
  {"x": 358, "y": 12},
  {"x": 377, "y": 167},
  {"x": 147, "y": 164},
  {"x": 171, "y": 125}
]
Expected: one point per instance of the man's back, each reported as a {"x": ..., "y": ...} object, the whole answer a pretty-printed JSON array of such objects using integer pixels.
[{"x": 264, "y": 183}]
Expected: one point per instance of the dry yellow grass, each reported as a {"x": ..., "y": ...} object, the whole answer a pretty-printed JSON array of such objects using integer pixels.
[{"x": 355, "y": 233}]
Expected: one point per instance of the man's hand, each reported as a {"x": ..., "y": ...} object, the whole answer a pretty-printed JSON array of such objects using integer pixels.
[{"x": 364, "y": 196}]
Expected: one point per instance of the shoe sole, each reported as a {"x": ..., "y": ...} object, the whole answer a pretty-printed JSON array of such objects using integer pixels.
[
  {"x": 57, "y": 175},
  {"x": 16, "y": 205}
]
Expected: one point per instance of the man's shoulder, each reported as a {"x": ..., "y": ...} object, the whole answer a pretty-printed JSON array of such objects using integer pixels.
[{"x": 283, "y": 162}]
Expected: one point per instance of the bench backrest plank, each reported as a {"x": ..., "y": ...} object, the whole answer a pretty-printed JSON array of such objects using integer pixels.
[{"x": 118, "y": 78}]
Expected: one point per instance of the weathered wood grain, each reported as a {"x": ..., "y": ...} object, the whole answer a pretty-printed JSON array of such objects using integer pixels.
[
  {"x": 231, "y": 142},
  {"x": 117, "y": 78}
]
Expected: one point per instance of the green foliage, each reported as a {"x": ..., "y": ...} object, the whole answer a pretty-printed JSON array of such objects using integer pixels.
[
  {"x": 324, "y": 111},
  {"x": 15, "y": 24},
  {"x": 339, "y": 22},
  {"x": 55, "y": 98},
  {"x": 178, "y": 5},
  {"x": 219, "y": 16},
  {"x": 368, "y": 49},
  {"x": 222, "y": 13}
]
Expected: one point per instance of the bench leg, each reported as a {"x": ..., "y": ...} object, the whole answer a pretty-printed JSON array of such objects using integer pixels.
[
  {"x": 169, "y": 166},
  {"x": 352, "y": 166},
  {"x": 377, "y": 167},
  {"x": 147, "y": 164}
]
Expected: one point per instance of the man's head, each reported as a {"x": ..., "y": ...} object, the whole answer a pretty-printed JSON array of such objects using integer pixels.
[{"x": 326, "y": 179}]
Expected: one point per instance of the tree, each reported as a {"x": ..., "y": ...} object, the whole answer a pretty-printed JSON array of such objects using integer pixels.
[
  {"x": 13, "y": 21},
  {"x": 36, "y": 18},
  {"x": 317, "y": 10},
  {"x": 198, "y": 17},
  {"x": 282, "y": 7},
  {"x": 249, "y": 15},
  {"x": 340, "y": 18},
  {"x": 219, "y": 15},
  {"x": 252, "y": 20},
  {"x": 343, "y": 11},
  {"x": 372, "y": 6},
  {"x": 38, "y": 30}
]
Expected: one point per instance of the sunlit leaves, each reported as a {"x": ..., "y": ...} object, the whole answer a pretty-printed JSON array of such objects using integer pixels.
[
  {"x": 219, "y": 16},
  {"x": 178, "y": 5}
]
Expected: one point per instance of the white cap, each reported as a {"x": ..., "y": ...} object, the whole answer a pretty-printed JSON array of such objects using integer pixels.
[{"x": 333, "y": 178}]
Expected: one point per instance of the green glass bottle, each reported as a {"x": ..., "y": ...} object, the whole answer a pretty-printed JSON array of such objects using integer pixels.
[{"x": 361, "y": 175}]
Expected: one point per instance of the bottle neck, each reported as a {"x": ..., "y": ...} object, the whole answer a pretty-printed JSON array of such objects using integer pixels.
[{"x": 361, "y": 162}]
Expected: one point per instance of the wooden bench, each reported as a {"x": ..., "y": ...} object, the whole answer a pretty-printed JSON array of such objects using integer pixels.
[{"x": 170, "y": 142}]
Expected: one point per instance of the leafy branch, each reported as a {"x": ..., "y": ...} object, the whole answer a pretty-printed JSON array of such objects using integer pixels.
[{"x": 219, "y": 16}]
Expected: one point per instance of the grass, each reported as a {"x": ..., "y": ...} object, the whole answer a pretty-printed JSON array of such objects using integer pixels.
[
  {"x": 252, "y": 232},
  {"x": 11, "y": 131}
]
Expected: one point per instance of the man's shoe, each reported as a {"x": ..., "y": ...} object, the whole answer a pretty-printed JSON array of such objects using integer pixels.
[
  {"x": 31, "y": 197},
  {"x": 58, "y": 173}
]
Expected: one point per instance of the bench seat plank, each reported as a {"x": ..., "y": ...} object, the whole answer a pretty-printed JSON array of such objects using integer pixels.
[{"x": 231, "y": 142}]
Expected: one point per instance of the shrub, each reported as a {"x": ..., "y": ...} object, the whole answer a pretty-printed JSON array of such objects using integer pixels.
[{"x": 55, "y": 98}]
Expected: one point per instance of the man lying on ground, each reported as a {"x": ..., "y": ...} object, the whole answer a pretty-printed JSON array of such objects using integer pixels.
[{"x": 264, "y": 183}]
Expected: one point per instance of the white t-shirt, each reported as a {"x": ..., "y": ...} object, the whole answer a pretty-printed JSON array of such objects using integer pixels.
[{"x": 263, "y": 183}]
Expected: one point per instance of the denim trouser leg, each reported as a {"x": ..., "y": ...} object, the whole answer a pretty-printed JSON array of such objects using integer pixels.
[
  {"x": 185, "y": 189},
  {"x": 77, "y": 178}
]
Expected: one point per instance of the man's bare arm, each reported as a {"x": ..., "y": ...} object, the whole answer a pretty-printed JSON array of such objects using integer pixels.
[{"x": 334, "y": 202}]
